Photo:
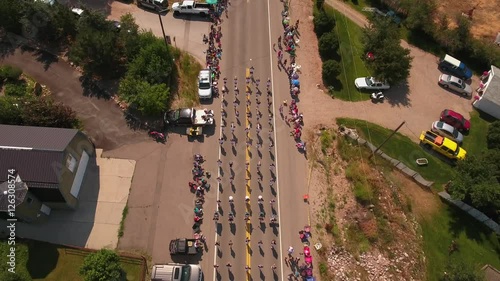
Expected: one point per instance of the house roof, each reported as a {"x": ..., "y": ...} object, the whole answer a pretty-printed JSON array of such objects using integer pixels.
[
  {"x": 35, "y": 166},
  {"x": 37, "y": 138},
  {"x": 492, "y": 91}
]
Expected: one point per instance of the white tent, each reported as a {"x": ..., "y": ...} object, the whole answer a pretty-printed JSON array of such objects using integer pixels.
[{"x": 489, "y": 101}]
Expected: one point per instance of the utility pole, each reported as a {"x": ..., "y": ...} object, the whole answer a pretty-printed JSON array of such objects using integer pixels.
[
  {"x": 393, "y": 133},
  {"x": 162, "y": 29}
]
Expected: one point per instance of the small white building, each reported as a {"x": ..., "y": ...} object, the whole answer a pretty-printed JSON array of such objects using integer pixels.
[{"x": 489, "y": 101}]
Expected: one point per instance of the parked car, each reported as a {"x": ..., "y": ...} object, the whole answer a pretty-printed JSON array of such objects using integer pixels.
[
  {"x": 455, "y": 119},
  {"x": 159, "y": 6},
  {"x": 205, "y": 84},
  {"x": 457, "y": 68},
  {"x": 442, "y": 145},
  {"x": 456, "y": 84},
  {"x": 448, "y": 131},
  {"x": 192, "y": 8},
  {"x": 370, "y": 83}
]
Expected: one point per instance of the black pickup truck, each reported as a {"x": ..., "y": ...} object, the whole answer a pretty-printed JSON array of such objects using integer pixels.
[
  {"x": 183, "y": 246},
  {"x": 189, "y": 117}
]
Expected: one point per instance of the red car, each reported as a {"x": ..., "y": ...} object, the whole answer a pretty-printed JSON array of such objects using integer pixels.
[{"x": 455, "y": 119}]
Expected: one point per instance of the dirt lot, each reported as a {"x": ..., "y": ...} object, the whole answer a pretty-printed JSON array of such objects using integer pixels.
[{"x": 485, "y": 18}]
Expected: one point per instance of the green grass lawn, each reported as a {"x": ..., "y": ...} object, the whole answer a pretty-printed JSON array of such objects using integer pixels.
[
  {"x": 475, "y": 141},
  {"x": 477, "y": 244},
  {"x": 45, "y": 261},
  {"x": 350, "y": 50},
  {"x": 403, "y": 149}
]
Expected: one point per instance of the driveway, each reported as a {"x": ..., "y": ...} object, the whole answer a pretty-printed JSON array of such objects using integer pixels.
[
  {"x": 95, "y": 223},
  {"x": 419, "y": 103},
  {"x": 102, "y": 119},
  {"x": 186, "y": 32}
]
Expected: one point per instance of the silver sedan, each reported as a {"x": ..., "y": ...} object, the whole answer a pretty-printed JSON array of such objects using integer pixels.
[
  {"x": 455, "y": 84},
  {"x": 447, "y": 131}
]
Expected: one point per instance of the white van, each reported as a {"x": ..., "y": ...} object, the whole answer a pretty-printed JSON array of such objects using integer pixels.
[
  {"x": 205, "y": 84},
  {"x": 176, "y": 272}
]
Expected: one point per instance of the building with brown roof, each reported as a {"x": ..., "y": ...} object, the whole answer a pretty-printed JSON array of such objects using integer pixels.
[{"x": 41, "y": 169}]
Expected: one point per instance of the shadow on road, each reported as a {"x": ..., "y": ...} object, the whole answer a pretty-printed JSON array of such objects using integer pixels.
[
  {"x": 192, "y": 17},
  {"x": 41, "y": 56},
  {"x": 398, "y": 95}
]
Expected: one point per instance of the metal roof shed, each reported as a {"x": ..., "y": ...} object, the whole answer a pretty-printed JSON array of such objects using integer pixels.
[{"x": 489, "y": 101}]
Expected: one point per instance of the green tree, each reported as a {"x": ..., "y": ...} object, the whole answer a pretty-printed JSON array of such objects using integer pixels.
[
  {"x": 458, "y": 270},
  {"x": 44, "y": 112},
  {"x": 378, "y": 34},
  {"x": 151, "y": 99},
  {"x": 323, "y": 23},
  {"x": 477, "y": 181},
  {"x": 11, "y": 15},
  {"x": 103, "y": 265},
  {"x": 330, "y": 71},
  {"x": 392, "y": 62},
  {"x": 154, "y": 64},
  {"x": 421, "y": 14},
  {"x": 10, "y": 112},
  {"x": 328, "y": 45},
  {"x": 493, "y": 136},
  {"x": 95, "y": 46},
  {"x": 10, "y": 73},
  {"x": 128, "y": 37}
]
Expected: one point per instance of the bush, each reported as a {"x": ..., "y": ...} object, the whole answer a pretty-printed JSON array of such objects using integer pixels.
[
  {"x": 323, "y": 269},
  {"x": 363, "y": 193},
  {"x": 319, "y": 4},
  {"x": 10, "y": 73},
  {"x": 323, "y": 23},
  {"x": 493, "y": 136},
  {"x": 17, "y": 89},
  {"x": 328, "y": 45},
  {"x": 102, "y": 265},
  {"x": 331, "y": 69}
]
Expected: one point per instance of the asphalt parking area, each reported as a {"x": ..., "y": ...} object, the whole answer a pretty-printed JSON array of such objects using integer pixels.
[
  {"x": 160, "y": 205},
  {"x": 95, "y": 223}
]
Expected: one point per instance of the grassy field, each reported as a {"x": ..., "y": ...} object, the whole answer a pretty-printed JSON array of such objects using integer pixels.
[
  {"x": 475, "y": 141},
  {"x": 350, "y": 50},
  {"x": 49, "y": 262},
  {"x": 185, "y": 89},
  {"x": 405, "y": 150},
  {"x": 477, "y": 244}
]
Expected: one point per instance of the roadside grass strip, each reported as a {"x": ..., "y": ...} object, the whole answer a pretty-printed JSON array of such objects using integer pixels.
[{"x": 350, "y": 49}]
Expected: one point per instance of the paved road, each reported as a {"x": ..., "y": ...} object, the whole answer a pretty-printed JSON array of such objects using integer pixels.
[{"x": 246, "y": 42}]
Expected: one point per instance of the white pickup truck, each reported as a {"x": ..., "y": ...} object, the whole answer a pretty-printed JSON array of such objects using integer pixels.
[
  {"x": 191, "y": 8},
  {"x": 176, "y": 272}
]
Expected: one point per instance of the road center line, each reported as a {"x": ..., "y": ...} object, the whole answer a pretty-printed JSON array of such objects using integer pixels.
[{"x": 247, "y": 174}]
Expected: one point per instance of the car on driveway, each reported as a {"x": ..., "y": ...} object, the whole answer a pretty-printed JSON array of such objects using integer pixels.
[
  {"x": 159, "y": 6},
  {"x": 370, "y": 83},
  {"x": 456, "y": 120},
  {"x": 448, "y": 131},
  {"x": 451, "y": 65},
  {"x": 442, "y": 145},
  {"x": 456, "y": 84}
]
